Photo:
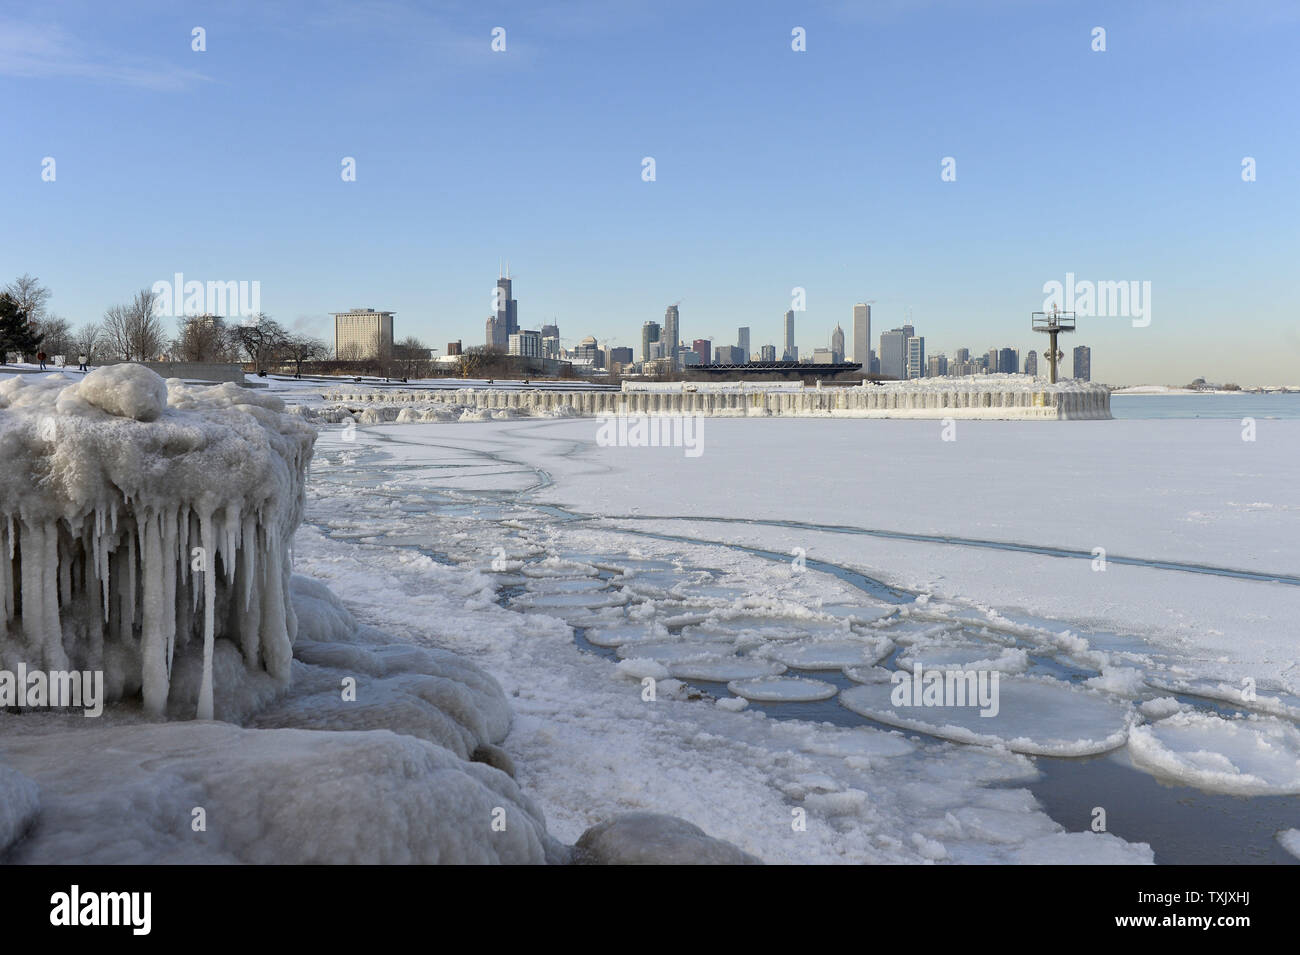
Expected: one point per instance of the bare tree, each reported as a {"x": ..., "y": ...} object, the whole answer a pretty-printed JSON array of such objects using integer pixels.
[
  {"x": 202, "y": 338},
  {"x": 30, "y": 295},
  {"x": 133, "y": 332},
  {"x": 302, "y": 348},
  {"x": 88, "y": 341},
  {"x": 412, "y": 357},
  {"x": 261, "y": 339},
  {"x": 57, "y": 332}
]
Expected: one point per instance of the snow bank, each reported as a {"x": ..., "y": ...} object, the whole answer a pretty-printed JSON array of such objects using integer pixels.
[{"x": 142, "y": 522}]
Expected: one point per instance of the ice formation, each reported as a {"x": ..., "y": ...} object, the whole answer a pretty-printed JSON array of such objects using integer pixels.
[
  {"x": 1035, "y": 717},
  {"x": 979, "y": 396},
  {"x": 648, "y": 838},
  {"x": 144, "y": 520}
]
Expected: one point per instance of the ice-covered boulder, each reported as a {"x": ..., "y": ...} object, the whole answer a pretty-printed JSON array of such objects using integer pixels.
[
  {"x": 650, "y": 838},
  {"x": 126, "y": 391},
  {"x": 141, "y": 522},
  {"x": 20, "y": 802},
  {"x": 129, "y": 794}
]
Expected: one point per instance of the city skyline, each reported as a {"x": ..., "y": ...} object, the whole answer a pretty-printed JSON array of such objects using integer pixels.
[{"x": 760, "y": 186}]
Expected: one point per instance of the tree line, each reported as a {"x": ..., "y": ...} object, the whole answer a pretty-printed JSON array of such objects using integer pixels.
[{"x": 134, "y": 331}]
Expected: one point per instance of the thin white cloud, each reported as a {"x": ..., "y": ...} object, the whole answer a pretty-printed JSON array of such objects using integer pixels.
[{"x": 47, "y": 51}]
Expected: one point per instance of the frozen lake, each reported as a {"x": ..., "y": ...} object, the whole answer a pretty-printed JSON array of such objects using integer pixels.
[
  {"x": 1205, "y": 406},
  {"x": 770, "y": 585}
]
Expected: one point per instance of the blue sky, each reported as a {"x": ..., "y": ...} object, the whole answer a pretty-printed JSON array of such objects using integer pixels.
[{"x": 774, "y": 168}]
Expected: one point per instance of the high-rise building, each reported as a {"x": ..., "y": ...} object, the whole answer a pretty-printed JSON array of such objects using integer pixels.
[
  {"x": 728, "y": 355},
  {"x": 742, "y": 341},
  {"x": 363, "y": 333},
  {"x": 936, "y": 366},
  {"x": 791, "y": 352},
  {"x": 767, "y": 353},
  {"x": 620, "y": 355},
  {"x": 1083, "y": 363},
  {"x": 837, "y": 344},
  {"x": 525, "y": 344},
  {"x": 915, "y": 356},
  {"x": 507, "y": 307},
  {"x": 550, "y": 345},
  {"x": 589, "y": 351},
  {"x": 963, "y": 355},
  {"x": 893, "y": 352},
  {"x": 649, "y": 335},
  {"x": 704, "y": 348},
  {"x": 550, "y": 331},
  {"x": 1031, "y": 363},
  {"x": 671, "y": 334},
  {"x": 862, "y": 335},
  {"x": 991, "y": 361},
  {"x": 1009, "y": 361},
  {"x": 822, "y": 356},
  {"x": 453, "y": 348}
]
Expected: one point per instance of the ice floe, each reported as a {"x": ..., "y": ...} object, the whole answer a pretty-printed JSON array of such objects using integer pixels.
[{"x": 1035, "y": 717}]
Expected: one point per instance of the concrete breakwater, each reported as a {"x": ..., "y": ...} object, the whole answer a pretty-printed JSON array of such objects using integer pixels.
[{"x": 991, "y": 397}]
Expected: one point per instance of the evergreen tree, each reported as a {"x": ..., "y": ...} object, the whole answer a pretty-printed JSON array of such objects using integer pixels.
[{"x": 16, "y": 334}]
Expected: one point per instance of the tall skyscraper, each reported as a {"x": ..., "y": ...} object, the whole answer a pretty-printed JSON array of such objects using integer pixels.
[
  {"x": 507, "y": 307},
  {"x": 1009, "y": 361},
  {"x": 649, "y": 336},
  {"x": 837, "y": 344},
  {"x": 767, "y": 353},
  {"x": 893, "y": 352},
  {"x": 671, "y": 335},
  {"x": 742, "y": 341},
  {"x": 1083, "y": 363},
  {"x": 862, "y": 335},
  {"x": 993, "y": 361},
  {"x": 550, "y": 331},
  {"x": 1031, "y": 363},
  {"x": 704, "y": 348},
  {"x": 791, "y": 352},
  {"x": 963, "y": 354},
  {"x": 915, "y": 356}
]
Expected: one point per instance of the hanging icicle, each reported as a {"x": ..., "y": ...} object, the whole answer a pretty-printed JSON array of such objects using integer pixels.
[{"x": 142, "y": 519}]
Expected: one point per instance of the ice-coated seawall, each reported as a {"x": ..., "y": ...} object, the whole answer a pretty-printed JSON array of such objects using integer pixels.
[{"x": 1006, "y": 397}]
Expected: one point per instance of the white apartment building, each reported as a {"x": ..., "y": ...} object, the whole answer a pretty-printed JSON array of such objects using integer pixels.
[{"x": 363, "y": 333}]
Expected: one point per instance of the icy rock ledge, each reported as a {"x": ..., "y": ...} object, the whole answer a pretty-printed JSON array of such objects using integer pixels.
[
  {"x": 142, "y": 521},
  {"x": 649, "y": 838}
]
